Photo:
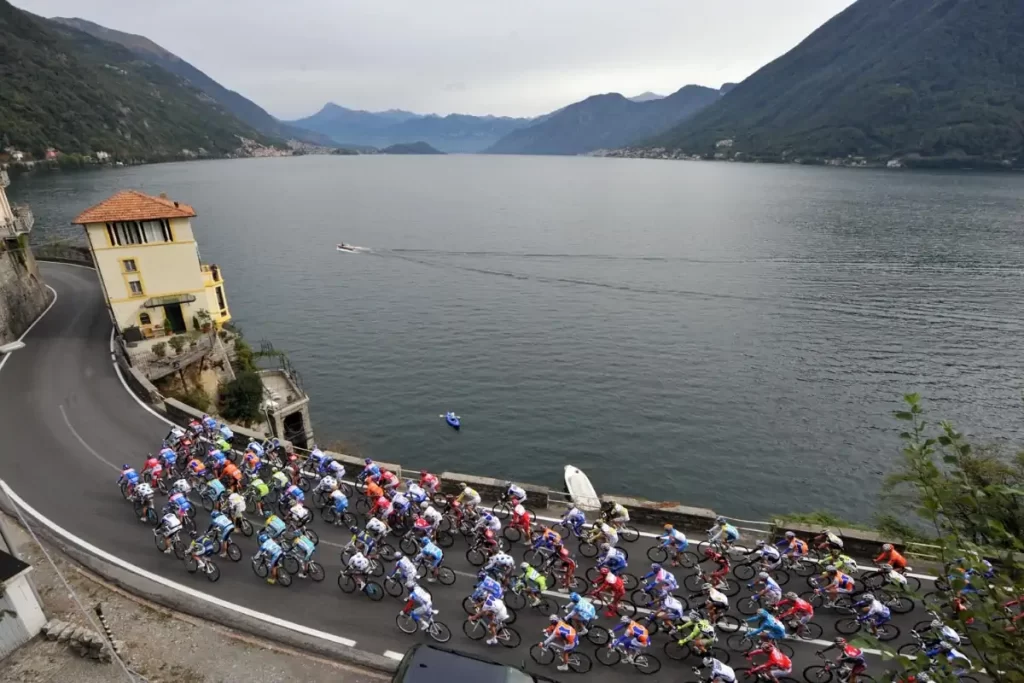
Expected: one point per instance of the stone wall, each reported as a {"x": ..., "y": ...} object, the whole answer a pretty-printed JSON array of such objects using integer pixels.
[{"x": 22, "y": 293}]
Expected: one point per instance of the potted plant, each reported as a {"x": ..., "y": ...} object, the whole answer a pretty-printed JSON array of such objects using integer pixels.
[
  {"x": 160, "y": 349},
  {"x": 168, "y": 328},
  {"x": 205, "y": 321},
  {"x": 177, "y": 343}
]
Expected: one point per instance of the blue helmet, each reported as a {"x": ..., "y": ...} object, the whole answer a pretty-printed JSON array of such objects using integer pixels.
[
  {"x": 656, "y": 566},
  {"x": 574, "y": 597},
  {"x": 262, "y": 537},
  {"x": 368, "y": 461},
  {"x": 763, "y": 613},
  {"x": 125, "y": 467},
  {"x": 424, "y": 541}
]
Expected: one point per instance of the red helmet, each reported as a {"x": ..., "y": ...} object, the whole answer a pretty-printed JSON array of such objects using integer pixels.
[
  {"x": 766, "y": 645},
  {"x": 423, "y": 473},
  {"x": 488, "y": 533},
  {"x": 709, "y": 552},
  {"x": 604, "y": 571}
]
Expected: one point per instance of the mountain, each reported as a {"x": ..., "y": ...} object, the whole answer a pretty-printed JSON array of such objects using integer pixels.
[
  {"x": 410, "y": 148},
  {"x": 452, "y": 133},
  {"x": 66, "y": 89},
  {"x": 937, "y": 82},
  {"x": 605, "y": 122},
  {"x": 246, "y": 110},
  {"x": 647, "y": 97}
]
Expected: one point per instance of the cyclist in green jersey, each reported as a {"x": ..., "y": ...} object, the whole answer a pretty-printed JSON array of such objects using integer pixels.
[{"x": 533, "y": 583}]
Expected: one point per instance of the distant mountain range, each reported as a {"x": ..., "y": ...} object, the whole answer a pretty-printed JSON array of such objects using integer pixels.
[
  {"x": 65, "y": 89},
  {"x": 647, "y": 97},
  {"x": 452, "y": 133},
  {"x": 246, "y": 110},
  {"x": 932, "y": 82},
  {"x": 410, "y": 148},
  {"x": 605, "y": 122}
]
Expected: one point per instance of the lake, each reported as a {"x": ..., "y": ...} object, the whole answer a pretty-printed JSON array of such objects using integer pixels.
[{"x": 724, "y": 335}]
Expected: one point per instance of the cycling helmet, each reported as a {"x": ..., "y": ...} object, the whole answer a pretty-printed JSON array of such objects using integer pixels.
[
  {"x": 574, "y": 597},
  {"x": 708, "y": 661},
  {"x": 763, "y": 576},
  {"x": 923, "y": 677},
  {"x": 767, "y": 645},
  {"x": 840, "y": 641},
  {"x": 885, "y": 567},
  {"x": 887, "y": 547},
  {"x": 604, "y": 571},
  {"x": 790, "y": 534},
  {"x": 831, "y": 569},
  {"x": 605, "y": 547},
  {"x": 354, "y": 529},
  {"x": 791, "y": 595},
  {"x": 825, "y": 531},
  {"x": 262, "y": 537},
  {"x": 760, "y": 544},
  {"x": 945, "y": 647},
  {"x": 655, "y": 566},
  {"x": 720, "y": 519},
  {"x": 424, "y": 505},
  {"x": 706, "y": 587},
  {"x": 487, "y": 517},
  {"x": 763, "y": 613},
  {"x": 936, "y": 624},
  {"x": 669, "y": 527},
  {"x": 508, "y": 484},
  {"x": 524, "y": 565},
  {"x": 867, "y": 597},
  {"x": 125, "y": 467},
  {"x": 424, "y": 541},
  {"x": 554, "y": 619},
  {"x": 624, "y": 619},
  {"x": 463, "y": 485},
  {"x": 423, "y": 473},
  {"x": 368, "y": 461}
]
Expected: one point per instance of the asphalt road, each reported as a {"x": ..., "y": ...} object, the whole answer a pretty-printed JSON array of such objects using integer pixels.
[{"x": 68, "y": 424}]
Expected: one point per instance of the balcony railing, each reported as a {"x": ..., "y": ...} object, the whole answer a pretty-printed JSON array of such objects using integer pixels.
[
  {"x": 5, "y": 179},
  {"x": 211, "y": 273},
  {"x": 24, "y": 219},
  {"x": 7, "y": 228}
]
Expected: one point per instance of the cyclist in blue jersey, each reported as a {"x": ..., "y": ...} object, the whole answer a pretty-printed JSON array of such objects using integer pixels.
[
  {"x": 292, "y": 494},
  {"x": 221, "y": 527},
  {"x": 769, "y": 592},
  {"x": 723, "y": 532},
  {"x": 873, "y": 612},
  {"x": 216, "y": 492},
  {"x": 271, "y": 550},
  {"x": 430, "y": 555},
  {"x": 364, "y": 541},
  {"x": 423, "y": 602},
  {"x": 129, "y": 479},
  {"x": 613, "y": 558},
  {"x": 487, "y": 586},
  {"x": 661, "y": 580},
  {"x": 340, "y": 503},
  {"x": 580, "y": 613},
  {"x": 769, "y": 626},
  {"x": 167, "y": 457},
  {"x": 673, "y": 538},
  {"x": 574, "y": 519},
  {"x": 370, "y": 470},
  {"x": 405, "y": 571}
]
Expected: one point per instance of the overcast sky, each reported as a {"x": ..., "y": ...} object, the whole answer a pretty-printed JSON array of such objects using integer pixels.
[{"x": 507, "y": 57}]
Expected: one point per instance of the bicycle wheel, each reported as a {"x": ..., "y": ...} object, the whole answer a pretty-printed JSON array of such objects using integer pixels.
[
  {"x": 693, "y": 582},
  {"x": 346, "y": 583},
  {"x": 408, "y": 546},
  {"x": 686, "y": 559},
  {"x": 781, "y": 576},
  {"x": 817, "y": 674},
  {"x": 406, "y": 624},
  {"x": 212, "y": 571},
  {"x": 234, "y": 552},
  {"x": 446, "y": 576},
  {"x": 810, "y": 631},
  {"x": 191, "y": 564},
  {"x": 374, "y": 591},
  {"x": 316, "y": 571},
  {"x": 207, "y": 503},
  {"x": 784, "y": 648},
  {"x": 260, "y": 568},
  {"x": 444, "y": 539},
  {"x": 509, "y": 637},
  {"x": 362, "y": 506},
  {"x": 541, "y": 655},
  {"x": 675, "y": 651},
  {"x": 641, "y": 598},
  {"x": 515, "y": 600},
  {"x": 476, "y": 557},
  {"x": 899, "y": 604},
  {"x": 439, "y": 631},
  {"x": 629, "y": 534},
  {"x": 646, "y": 664},
  {"x": 314, "y": 536},
  {"x": 729, "y": 587},
  {"x": 804, "y": 568},
  {"x": 909, "y": 650},
  {"x": 748, "y": 606},
  {"x": 607, "y": 656},
  {"x": 739, "y": 642},
  {"x": 387, "y": 552},
  {"x": 512, "y": 534},
  {"x": 290, "y": 564},
  {"x": 598, "y": 635},
  {"x": 913, "y": 585},
  {"x": 588, "y": 549},
  {"x": 626, "y": 608},
  {"x": 376, "y": 569},
  {"x": 727, "y": 623},
  {"x": 579, "y": 662},
  {"x": 534, "y": 557},
  {"x": 547, "y": 607},
  {"x": 283, "y": 577},
  {"x": 394, "y": 587},
  {"x": 474, "y": 630},
  {"x": 629, "y": 581},
  {"x": 744, "y": 572},
  {"x": 657, "y": 553},
  {"x": 246, "y": 527},
  {"x": 887, "y": 632},
  {"x": 847, "y": 625},
  {"x": 592, "y": 573}
]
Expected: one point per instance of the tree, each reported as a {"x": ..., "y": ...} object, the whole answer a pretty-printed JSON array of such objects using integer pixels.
[
  {"x": 972, "y": 502},
  {"x": 241, "y": 399},
  {"x": 177, "y": 343}
]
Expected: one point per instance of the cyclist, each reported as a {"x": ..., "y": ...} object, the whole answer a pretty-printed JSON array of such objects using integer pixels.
[
  {"x": 231, "y": 476},
  {"x": 941, "y": 632},
  {"x": 609, "y": 534},
  {"x": 169, "y": 527},
  {"x": 177, "y": 504},
  {"x": 891, "y": 557},
  {"x": 499, "y": 565},
  {"x": 574, "y": 520},
  {"x": 612, "y": 558},
  {"x": 715, "y": 601},
  {"x": 674, "y": 540},
  {"x": 333, "y": 468},
  {"x": 271, "y": 550},
  {"x": 257, "y": 491},
  {"x": 388, "y": 481},
  {"x": 340, "y": 502},
  {"x": 723, "y": 533},
  {"x": 469, "y": 498},
  {"x": 429, "y": 482},
  {"x": 487, "y": 522},
  {"x": 614, "y": 513},
  {"x": 415, "y": 492},
  {"x": 566, "y": 567},
  {"x": 661, "y": 580},
  {"x": 522, "y": 520},
  {"x": 566, "y": 637},
  {"x": 534, "y": 583},
  {"x": 358, "y": 566},
  {"x": 274, "y": 527},
  {"x": 326, "y": 487},
  {"x": 250, "y": 463},
  {"x": 829, "y": 540},
  {"x": 580, "y": 613},
  {"x": 701, "y": 633},
  {"x": 291, "y": 494},
  {"x": 153, "y": 469},
  {"x": 668, "y": 610},
  {"x": 794, "y": 547},
  {"x": 279, "y": 481},
  {"x": 422, "y": 601},
  {"x": 610, "y": 583},
  {"x": 722, "y": 560},
  {"x": 181, "y": 486},
  {"x": 849, "y": 656},
  {"x": 767, "y": 626},
  {"x": 634, "y": 637},
  {"x": 769, "y": 591},
  {"x": 845, "y": 563},
  {"x": 376, "y": 527},
  {"x": 203, "y": 546},
  {"x": 167, "y": 457},
  {"x": 719, "y": 672},
  {"x": 221, "y": 528},
  {"x": 372, "y": 490},
  {"x": 874, "y": 612},
  {"x": 302, "y": 550},
  {"x": 174, "y": 436},
  {"x": 215, "y": 460},
  {"x": 236, "y": 508},
  {"x": 432, "y": 515},
  {"x": 143, "y": 494},
  {"x": 363, "y": 541},
  {"x": 514, "y": 492},
  {"x": 799, "y": 610},
  {"x": 486, "y": 587},
  {"x": 381, "y": 507},
  {"x": 548, "y": 540},
  {"x": 838, "y": 583},
  {"x": 431, "y": 556},
  {"x": 776, "y": 665},
  {"x": 215, "y": 492},
  {"x": 496, "y": 612},
  {"x": 768, "y": 555},
  {"x": 298, "y": 517},
  {"x": 405, "y": 571},
  {"x": 958, "y": 660},
  {"x": 130, "y": 478}
]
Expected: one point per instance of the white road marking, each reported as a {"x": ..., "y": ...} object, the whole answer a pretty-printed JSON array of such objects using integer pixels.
[
  {"x": 3, "y": 361},
  {"x": 84, "y": 444},
  {"x": 391, "y": 654}
]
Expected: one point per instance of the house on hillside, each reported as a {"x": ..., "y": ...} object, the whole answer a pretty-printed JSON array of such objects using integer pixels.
[
  {"x": 149, "y": 269},
  {"x": 102, "y": 156},
  {"x": 52, "y": 154}
]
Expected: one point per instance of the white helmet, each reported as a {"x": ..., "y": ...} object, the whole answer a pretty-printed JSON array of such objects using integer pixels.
[
  {"x": 424, "y": 505},
  {"x": 524, "y": 565},
  {"x": 706, "y": 587},
  {"x": 708, "y": 661},
  {"x": 790, "y": 534},
  {"x": 624, "y": 619},
  {"x": 763, "y": 576}
]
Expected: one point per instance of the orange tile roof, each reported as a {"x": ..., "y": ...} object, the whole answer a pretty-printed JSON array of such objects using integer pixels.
[{"x": 132, "y": 205}]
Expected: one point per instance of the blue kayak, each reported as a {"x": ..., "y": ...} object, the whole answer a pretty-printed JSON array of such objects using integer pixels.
[{"x": 452, "y": 419}]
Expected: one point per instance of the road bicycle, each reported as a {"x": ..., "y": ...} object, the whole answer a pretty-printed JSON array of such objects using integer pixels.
[
  {"x": 437, "y": 630},
  {"x": 194, "y": 561},
  {"x": 669, "y": 554},
  {"x": 828, "y": 669},
  {"x": 293, "y": 561},
  {"x": 546, "y": 655},
  {"x": 516, "y": 598},
  {"x": 261, "y": 567},
  {"x": 629, "y": 581},
  {"x": 644, "y": 662},
  {"x": 348, "y": 584},
  {"x": 742, "y": 642},
  {"x": 475, "y": 629},
  {"x": 444, "y": 575},
  {"x": 853, "y": 624}
]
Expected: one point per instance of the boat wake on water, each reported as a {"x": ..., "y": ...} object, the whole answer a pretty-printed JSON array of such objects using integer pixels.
[{"x": 352, "y": 249}]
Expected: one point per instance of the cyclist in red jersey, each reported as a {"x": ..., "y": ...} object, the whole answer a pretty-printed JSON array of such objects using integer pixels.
[
  {"x": 799, "y": 610},
  {"x": 777, "y": 663},
  {"x": 609, "y": 583},
  {"x": 722, "y": 560}
]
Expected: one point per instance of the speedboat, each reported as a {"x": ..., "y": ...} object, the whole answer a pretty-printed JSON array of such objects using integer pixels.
[
  {"x": 347, "y": 248},
  {"x": 453, "y": 420}
]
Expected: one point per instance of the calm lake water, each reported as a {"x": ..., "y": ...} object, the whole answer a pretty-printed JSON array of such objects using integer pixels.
[{"x": 727, "y": 335}]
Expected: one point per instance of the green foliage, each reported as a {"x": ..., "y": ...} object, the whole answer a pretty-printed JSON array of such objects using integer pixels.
[
  {"x": 160, "y": 349},
  {"x": 934, "y": 82},
  {"x": 193, "y": 338},
  {"x": 241, "y": 398},
  {"x": 63, "y": 88},
  {"x": 168, "y": 328},
  {"x": 195, "y": 397},
  {"x": 177, "y": 343},
  {"x": 972, "y": 501},
  {"x": 410, "y": 148},
  {"x": 244, "y": 357}
]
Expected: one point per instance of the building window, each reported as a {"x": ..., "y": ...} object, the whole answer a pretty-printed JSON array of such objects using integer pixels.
[
  {"x": 129, "y": 265},
  {"x": 124, "y": 233},
  {"x": 220, "y": 298},
  {"x": 135, "y": 288},
  {"x": 144, "y": 319}
]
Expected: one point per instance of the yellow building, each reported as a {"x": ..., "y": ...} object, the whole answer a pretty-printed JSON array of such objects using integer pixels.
[{"x": 149, "y": 268}]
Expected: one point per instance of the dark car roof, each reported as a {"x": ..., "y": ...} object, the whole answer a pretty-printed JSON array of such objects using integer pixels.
[{"x": 431, "y": 664}]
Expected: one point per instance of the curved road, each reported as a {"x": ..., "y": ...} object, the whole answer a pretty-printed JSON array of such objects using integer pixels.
[{"x": 69, "y": 423}]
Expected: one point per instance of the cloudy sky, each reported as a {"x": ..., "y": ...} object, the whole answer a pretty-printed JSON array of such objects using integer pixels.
[{"x": 510, "y": 57}]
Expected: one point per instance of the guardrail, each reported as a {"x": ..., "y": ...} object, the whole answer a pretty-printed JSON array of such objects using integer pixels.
[{"x": 63, "y": 253}]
